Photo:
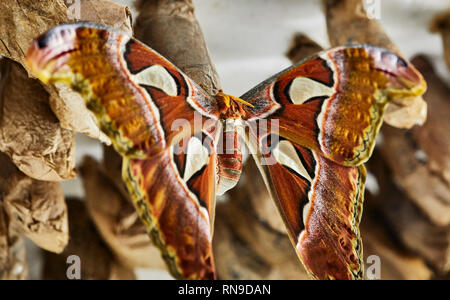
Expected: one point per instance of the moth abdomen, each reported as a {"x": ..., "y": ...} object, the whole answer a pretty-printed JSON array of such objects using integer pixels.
[{"x": 229, "y": 160}]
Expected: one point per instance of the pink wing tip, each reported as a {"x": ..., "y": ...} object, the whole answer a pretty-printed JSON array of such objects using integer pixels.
[
  {"x": 403, "y": 75},
  {"x": 48, "y": 47}
]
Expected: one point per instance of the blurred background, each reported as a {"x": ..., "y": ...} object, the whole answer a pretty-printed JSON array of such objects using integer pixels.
[{"x": 407, "y": 223}]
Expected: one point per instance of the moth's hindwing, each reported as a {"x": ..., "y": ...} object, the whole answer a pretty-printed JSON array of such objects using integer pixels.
[{"x": 321, "y": 205}]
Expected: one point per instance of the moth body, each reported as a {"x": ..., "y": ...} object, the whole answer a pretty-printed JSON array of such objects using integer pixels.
[{"x": 229, "y": 155}]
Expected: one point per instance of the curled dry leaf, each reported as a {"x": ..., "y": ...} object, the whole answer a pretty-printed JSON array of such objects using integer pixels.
[
  {"x": 38, "y": 211},
  {"x": 97, "y": 261},
  {"x": 116, "y": 220},
  {"x": 396, "y": 262},
  {"x": 400, "y": 116},
  {"x": 22, "y": 20},
  {"x": 404, "y": 218},
  {"x": 72, "y": 113},
  {"x": 48, "y": 151},
  {"x": 13, "y": 220},
  {"x": 106, "y": 12},
  {"x": 29, "y": 131},
  {"x": 34, "y": 208},
  {"x": 441, "y": 24},
  {"x": 301, "y": 46},
  {"x": 348, "y": 23},
  {"x": 246, "y": 247}
]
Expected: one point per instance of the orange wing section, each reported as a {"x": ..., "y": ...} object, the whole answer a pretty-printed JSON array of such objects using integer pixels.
[{"x": 334, "y": 102}]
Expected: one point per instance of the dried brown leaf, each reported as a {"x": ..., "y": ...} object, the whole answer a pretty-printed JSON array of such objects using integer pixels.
[
  {"x": 170, "y": 27},
  {"x": 97, "y": 261},
  {"x": 22, "y": 20},
  {"x": 441, "y": 24},
  {"x": 13, "y": 264},
  {"x": 117, "y": 221},
  {"x": 34, "y": 208},
  {"x": 396, "y": 262},
  {"x": 406, "y": 220},
  {"x": 29, "y": 131}
]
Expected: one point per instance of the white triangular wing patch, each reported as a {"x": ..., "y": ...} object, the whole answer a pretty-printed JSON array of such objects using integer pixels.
[
  {"x": 286, "y": 155},
  {"x": 303, "y": 88},
  {"x": 197, "y": 156},
  {"x": 157, "y": 76}
]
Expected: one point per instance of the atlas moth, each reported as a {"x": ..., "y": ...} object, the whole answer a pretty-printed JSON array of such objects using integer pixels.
[{"x": 327, "y": 108}]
